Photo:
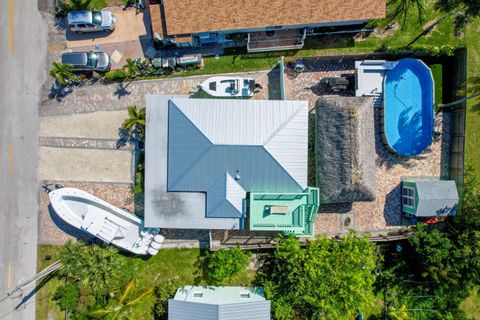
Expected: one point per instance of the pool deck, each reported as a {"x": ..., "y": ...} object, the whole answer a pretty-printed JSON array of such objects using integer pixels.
[{"x": 383, "y": 214}]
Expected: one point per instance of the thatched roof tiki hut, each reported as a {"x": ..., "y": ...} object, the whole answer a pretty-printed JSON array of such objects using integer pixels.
[{"x": 345, "y": 149}]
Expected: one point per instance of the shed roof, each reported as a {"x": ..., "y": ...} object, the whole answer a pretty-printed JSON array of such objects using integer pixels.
[
  {"x": 195, "y": 16},
  {"x": 228, "y": 147},
  {"x": 345, "y": 149},
  {"x": 435, "y": 197}
]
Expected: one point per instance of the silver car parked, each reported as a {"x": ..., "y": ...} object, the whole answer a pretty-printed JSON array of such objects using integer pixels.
[
  {"x": 91, "y": 21},
  {"x": 87, "y": 61}
]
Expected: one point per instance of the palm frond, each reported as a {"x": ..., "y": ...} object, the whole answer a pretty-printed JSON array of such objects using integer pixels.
[
  {"x": 128, "y": 290},
  {"x": 145, "y": 294},
  {"x": 101, "y": 313}
]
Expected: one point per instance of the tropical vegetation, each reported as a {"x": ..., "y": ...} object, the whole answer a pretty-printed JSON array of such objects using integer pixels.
[
  {"x": 121, "y": 307},
  {"x": 328, "y": 279},
  {"x": 62, "y": 73},
  {"x": 225, "y": 264},
  {"x": 135, "y": 123},
  {"x": 92, "y": 266},
  {"x": 165, "y": 272}
]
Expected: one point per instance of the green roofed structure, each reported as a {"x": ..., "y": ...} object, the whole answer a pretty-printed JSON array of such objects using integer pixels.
[
  {"x": 428, "y": 197},
  {"x": 290, "y": 213}
]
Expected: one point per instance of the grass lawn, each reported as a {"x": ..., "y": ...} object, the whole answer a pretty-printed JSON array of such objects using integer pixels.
[
  {"x": 45, "y": 307},
  {"x": 473, "y": 116},
  {"x": 471, "y": 305},
  {"x": 438, "y": 79},
  {"x": 168, "y": 263}
]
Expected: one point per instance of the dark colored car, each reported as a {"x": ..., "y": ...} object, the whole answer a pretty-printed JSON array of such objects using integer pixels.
[{"x": 87, "y": 61}]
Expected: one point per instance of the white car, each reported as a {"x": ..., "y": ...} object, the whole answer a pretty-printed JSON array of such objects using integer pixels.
[{"x": 91, "y": 21}]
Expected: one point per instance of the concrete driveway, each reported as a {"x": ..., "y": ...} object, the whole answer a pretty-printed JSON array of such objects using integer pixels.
[
  {"x": 83, "y": 147},
  {"x": 131, "y": 39},
  {"x": 92, "y": 125},
  {"x": 72, "y": 164},
  {"x": 130, "y": 27}
]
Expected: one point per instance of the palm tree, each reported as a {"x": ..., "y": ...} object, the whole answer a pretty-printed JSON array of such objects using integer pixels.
[
  {"x": 131, "y": 68},
  {"x": 93, "y": 266},
  {"x": 135, "y": 123},
  {"x": 62, "y": 73},
  {"x": 121, "y": 307}
]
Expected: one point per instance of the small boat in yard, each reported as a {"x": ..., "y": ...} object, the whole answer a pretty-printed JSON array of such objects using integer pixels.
[
  {"x": 222, "y": 86},
  {"x": 99, "y": 218}
]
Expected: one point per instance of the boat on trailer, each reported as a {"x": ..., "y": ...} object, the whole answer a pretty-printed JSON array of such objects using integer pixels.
[
  {"x": 221, "y": 86},
  {"x": 99, "y": 218}
]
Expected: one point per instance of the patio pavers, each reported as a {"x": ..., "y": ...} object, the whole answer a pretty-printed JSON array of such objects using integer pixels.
[{"x": 384, "y": 213}]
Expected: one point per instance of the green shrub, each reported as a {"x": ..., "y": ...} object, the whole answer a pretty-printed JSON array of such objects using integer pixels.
[
  {"x": 226, "y": 263},
  {"x": 115, "y": 75},
  {"x": 164, "y": 291},
  {"x": 328, "y": 279},
  {"x": 65, "y": 6},
  {"x": 86, "y": 299},
  {"x": 67, "y": 296},
  {"x": 372, "y": 24}
]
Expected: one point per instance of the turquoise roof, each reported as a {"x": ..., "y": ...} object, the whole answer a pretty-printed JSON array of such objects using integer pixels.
[{"x": 298, "y": 218}]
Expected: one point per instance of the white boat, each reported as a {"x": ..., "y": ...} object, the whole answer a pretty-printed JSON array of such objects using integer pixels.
[
  {"x": 99, "y": 218},
  {"x": 229, "y": 86}
]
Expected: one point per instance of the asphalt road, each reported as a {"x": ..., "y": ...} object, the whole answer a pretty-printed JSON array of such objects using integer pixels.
[{"x": 22, "y": 72}]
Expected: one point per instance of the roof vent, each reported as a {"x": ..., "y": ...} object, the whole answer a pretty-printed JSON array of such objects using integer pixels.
[
  {"x": 245, "y": 295},
  {"x": 198, "y": 294},
  {"x": 237, "y": 175}
]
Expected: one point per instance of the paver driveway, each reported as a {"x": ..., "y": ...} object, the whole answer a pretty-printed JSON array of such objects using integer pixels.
[{"x": 130, "y": 26}]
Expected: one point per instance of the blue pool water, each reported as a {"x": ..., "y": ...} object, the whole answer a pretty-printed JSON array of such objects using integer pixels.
[{"x": 408, "y": 107}]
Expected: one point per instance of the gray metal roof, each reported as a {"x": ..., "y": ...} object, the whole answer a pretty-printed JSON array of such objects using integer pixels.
[
  {"x": 203, "y": 155},
  {"x": 219, "y": 303},
  {"x": 436, "y": 197},
  {"x": 228, "y": 147},
  {"x": 170, "y": 209}
]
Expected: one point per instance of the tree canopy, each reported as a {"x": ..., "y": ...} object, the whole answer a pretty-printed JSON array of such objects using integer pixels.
[
  {"x": 432, "y": 274},
  {"x": 328, "y": 279},
  {"x": 100, "y": 268},
  {"x": 226, "y": 263}
]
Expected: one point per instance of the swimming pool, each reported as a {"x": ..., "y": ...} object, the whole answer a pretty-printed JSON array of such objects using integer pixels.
[{"x": 408, "y": 107}]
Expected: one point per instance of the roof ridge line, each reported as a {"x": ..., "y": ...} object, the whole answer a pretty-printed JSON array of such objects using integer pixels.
[{"x": 281, "y": 127}]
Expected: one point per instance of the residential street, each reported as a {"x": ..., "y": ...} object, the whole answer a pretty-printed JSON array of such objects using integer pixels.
[{"x": 22, "y": 72}]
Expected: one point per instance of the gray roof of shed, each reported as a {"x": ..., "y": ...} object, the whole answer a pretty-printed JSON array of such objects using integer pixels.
[
  {"x": 436, "y": 197},
  {"x": 345, "y": 149},
  {"x": 228, "y": 147}
]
